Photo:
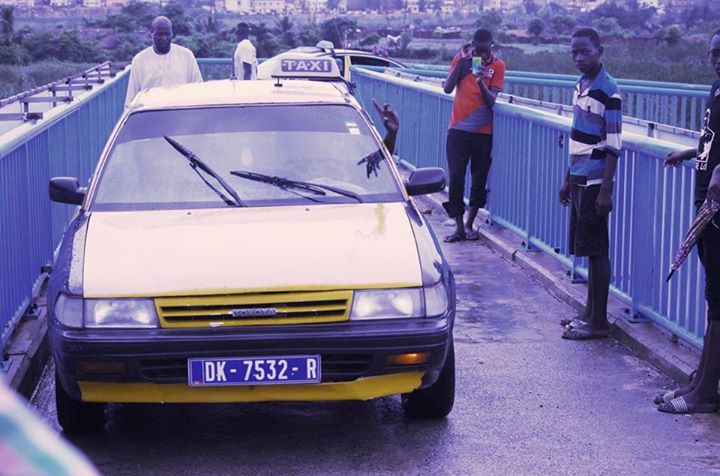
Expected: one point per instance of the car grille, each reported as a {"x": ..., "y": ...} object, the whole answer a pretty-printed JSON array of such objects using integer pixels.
[
  {"x": 335, "y": 368},
  {"x": 254, "y": 309}
]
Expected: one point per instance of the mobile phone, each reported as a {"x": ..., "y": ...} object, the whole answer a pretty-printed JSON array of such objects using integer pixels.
[{"x": 477, "y": 65}]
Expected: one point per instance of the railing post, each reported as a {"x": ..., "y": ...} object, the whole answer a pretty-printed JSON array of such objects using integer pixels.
[
  {"x": 641, "y": 289},
  {"x": 528, "y": 166}
]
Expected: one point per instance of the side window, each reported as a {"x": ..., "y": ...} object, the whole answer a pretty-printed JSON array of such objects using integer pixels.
[{"x": 370, "y": 61}]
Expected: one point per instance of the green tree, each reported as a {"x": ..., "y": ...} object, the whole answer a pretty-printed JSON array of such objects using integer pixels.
[
  {"x": 266, "y": 44},
  {"x": 562, "y": 24},
  {"x": 338, "y": 30},
  {"x": 490, "y": 20},
  {"x": 7, "y": 24},
  {"x": 370, "y": 40},
  {"x": 309, "y": 34},
  {"x": 176, "y": 13},
  {"x": 536, "y": 28},
  {"x": 405, "y": 40},
  {"x": 607, "y": 26},
  {"x": 530, "y": 7},
  {"x": 284, "y": 29},
  {"x": 672, "y": 35}
]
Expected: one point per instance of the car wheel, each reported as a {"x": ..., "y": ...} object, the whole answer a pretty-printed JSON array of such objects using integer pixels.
[
  {"x": 435, "y": 401},
  {"x": 75, "y": 416}
]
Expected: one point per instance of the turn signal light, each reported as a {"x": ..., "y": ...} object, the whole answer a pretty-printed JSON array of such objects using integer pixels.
[
  {"x": 117, "y": 368},
  {"x": 414, "y": 358}
]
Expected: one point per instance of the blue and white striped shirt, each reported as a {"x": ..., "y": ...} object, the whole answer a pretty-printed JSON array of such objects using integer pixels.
[{"x": 596, "y": 129}]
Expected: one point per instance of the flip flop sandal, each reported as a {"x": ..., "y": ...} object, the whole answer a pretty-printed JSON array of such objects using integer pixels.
[
  {"x": 665, "y": 397},
  {"x": 679, "y": 406},
  {"x": 455, "y": 237},
  {"x": 570, "y": 320},
  {"x": 582, "y": 332},
  {"x": 472, "y": 235}
]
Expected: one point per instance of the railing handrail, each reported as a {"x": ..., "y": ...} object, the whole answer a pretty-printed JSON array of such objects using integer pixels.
[
  {"x": 24, "y": 132},
  {"x": 107, "y": 65},
  {"x": 574, "y": 77}
]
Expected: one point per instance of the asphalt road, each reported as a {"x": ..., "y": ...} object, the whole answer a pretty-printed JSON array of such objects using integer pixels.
[{"x": 527, "y": 402}]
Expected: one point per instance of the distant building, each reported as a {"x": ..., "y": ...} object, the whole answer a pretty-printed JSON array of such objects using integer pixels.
[
  {"x": 316, "y": 5},
  {"x": 503, "y": 5},
  {"x": 18, "y": 3},
  {"x": 268, "y": 6},
  {"x": 447, "y": 7},
  {"x": 412, "y": 6},
  {"x": 61, "y": 3}
]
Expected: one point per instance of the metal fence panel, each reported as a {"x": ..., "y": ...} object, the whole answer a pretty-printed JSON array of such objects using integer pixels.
[
  {"x": 653, "y": 206},
  {"x": 68, "y": 141}
]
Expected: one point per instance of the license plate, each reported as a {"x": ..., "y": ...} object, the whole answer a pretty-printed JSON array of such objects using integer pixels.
[{"x": 254, "y": 370}]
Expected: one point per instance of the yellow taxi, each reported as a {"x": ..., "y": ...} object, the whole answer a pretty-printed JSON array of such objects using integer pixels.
[{"x": 249, "y": 241}]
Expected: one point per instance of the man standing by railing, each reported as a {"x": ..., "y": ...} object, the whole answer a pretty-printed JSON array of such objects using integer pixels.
[
  {"x": 700, "y": 395},
  {"x": 595, "y": 145},
  {"x": 469, "y": 137},
  {"x": 162, "y": 64},
  {"x": 245, "y": 57}
]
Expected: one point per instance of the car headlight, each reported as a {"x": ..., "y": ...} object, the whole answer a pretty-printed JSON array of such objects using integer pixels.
[
  {"x": 387, "y": 304},
  {"x": 436, "y": 301},
  {"x": 69, "y": 311},
  {"x": 123, "y": 313}
]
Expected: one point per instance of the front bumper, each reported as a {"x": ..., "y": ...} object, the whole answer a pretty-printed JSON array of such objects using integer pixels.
[{"x": 352, "y": 354}]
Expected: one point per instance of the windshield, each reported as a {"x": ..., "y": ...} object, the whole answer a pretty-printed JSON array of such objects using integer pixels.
[{"x": 328, "y": 145}]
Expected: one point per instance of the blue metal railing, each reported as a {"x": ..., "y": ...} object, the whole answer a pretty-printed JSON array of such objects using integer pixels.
[
  {"x": 653, "y": 205},
  {"x": 675, "y": 104},
  {"x": 68, "y": 141}
]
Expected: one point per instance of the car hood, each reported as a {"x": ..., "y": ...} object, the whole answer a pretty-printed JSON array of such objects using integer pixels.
[{"x": 190, "y": 252}]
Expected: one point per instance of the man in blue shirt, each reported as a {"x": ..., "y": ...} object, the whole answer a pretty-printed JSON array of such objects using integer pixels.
[{"x": 595, "y": 145}]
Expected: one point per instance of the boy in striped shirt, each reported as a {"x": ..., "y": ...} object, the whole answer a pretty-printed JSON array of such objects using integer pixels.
[{"x": 595, "y": 145}]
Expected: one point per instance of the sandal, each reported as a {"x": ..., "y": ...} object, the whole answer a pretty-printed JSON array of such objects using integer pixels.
[
  {"x": 679, "y": 406},
  {"x": 572, "y": 321},
  {"x": 472, "y": 235},
  {"x": 666, "y": 397},
  {"x": 455, "y": 237},
  {"x": 583, "y": 332}
]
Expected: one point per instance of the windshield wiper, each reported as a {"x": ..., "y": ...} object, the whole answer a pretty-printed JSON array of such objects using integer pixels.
[
  {"x": 196, "y": 164},
  {"x": 284, "y": 183}
]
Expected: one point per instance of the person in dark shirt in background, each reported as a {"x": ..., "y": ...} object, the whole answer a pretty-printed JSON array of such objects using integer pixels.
[{"x": 700, "y": 395}]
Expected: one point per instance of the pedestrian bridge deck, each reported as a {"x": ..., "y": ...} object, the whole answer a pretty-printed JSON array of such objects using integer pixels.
[{"x": 653, "y": 206}]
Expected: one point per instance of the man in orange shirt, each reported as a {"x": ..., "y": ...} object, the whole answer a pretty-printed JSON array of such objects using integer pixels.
[{"x": 469, "y": 136}]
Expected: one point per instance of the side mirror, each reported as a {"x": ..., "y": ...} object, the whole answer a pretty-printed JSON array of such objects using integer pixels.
[
  {"x": 66, "y": 190},
  {"x": 426, "y": 180}
]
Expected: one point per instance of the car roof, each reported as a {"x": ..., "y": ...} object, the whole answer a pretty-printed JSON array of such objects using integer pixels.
[{"x": 234, "y": 92}]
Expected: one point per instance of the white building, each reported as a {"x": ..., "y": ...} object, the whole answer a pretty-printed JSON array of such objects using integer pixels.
[
  {"x": 316, "y": 5},
  {"x": 18, "y": 3},
  {"x": 268, "y": 6},
  {"x": 60, "y": 3}
]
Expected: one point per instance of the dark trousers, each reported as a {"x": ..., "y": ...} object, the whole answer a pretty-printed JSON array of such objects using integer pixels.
[
  {"x": 463, "y": 147},
  {"x": 709, "y": 251}
]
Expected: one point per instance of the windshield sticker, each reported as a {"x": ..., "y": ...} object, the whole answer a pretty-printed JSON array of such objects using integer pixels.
[{"x": 353, "y": 128}]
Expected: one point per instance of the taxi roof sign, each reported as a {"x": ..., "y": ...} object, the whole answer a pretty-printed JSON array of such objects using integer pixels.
[{"x": 308, "y": 67}]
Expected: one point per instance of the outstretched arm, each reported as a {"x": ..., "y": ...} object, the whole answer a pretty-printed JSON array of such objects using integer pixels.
[{"x": 391, "y": 121}]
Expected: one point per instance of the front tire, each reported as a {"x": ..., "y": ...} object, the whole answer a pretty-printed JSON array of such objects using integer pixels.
[
  {"x": 75, "y": 416},
  {"x": 437, "y": 400}
]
